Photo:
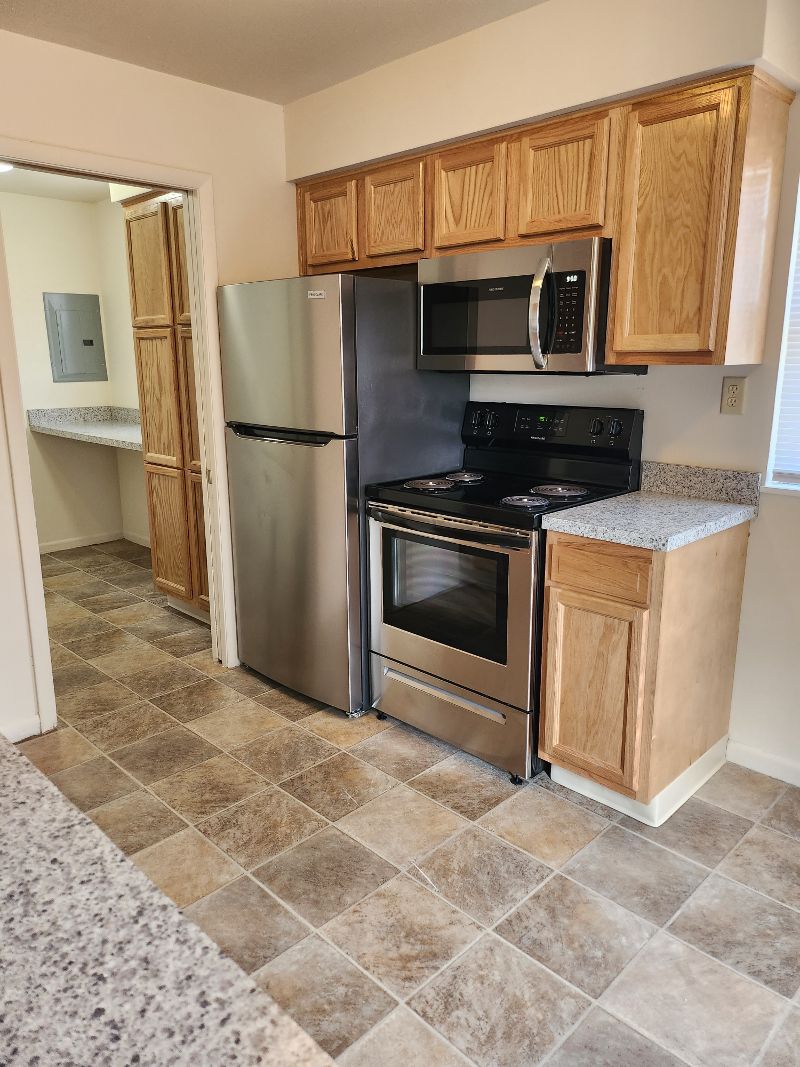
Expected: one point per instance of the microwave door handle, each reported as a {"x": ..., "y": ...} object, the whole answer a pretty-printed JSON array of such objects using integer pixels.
[{"x": 534, "y": 304}]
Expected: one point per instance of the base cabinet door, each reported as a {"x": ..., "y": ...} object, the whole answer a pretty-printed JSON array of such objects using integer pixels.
[
  {"x": 593, "y": 673},
  {"x": 159, "y": 397},
  {"x": 169, "y": 530},
  {"x": 197, "y": 539}
]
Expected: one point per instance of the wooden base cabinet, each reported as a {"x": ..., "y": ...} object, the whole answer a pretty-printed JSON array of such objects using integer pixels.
[
  {"x": 169, "y": 530},
  {"x": 197, "y": 540},
  {"x": 638, "y": 657}
]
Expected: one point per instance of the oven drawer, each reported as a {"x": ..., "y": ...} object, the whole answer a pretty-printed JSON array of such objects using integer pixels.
[
  {"x": 494, "y": 732},
  {"x": 619, "y": 571}
]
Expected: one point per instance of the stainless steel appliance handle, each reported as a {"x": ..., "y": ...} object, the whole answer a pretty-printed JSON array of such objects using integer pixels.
[
  {"x": 305, "y": 442},
  {"x": 449, "y": 528},
  {"x": 534, "y": 304}
]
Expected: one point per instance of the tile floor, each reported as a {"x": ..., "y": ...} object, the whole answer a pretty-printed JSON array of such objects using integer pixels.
[{"x": 403, "y": 901}]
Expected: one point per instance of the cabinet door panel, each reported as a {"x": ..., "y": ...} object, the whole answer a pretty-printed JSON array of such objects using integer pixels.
[
  {"x": 180, "y": 276},
  {"x": 469, "y": 195},
  {"x": 394, "y": 199},
  {"x": 184, "y": 351},
  {"x": 330, "y": 223},
  {"x": 592, "y": 685},
  {"x": 197, "y": 539},
  {"x": 169, "y": 530},
  {"x": 674, "y": 213},
  {"x": 159, "y": 397},
  {"x": 147, "y": 238},
  {"x": 562, "y": 177}
]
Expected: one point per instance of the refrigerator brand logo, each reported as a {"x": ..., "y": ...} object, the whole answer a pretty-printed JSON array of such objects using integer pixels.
[{"x": 316, "y": 294}]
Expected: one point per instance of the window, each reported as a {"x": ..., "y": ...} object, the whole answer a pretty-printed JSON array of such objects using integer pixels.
[{"x": 784, "y": 465}]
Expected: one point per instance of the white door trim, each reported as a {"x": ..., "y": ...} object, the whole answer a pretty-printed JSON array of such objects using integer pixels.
[{"x": 203, "y": 280}]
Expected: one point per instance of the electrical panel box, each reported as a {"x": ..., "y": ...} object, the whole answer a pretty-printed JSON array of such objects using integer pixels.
[{"x": 75, "y": 336}]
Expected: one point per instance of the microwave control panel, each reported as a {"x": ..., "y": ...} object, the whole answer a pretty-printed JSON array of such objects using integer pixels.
[{"x": 570, "y": 303}]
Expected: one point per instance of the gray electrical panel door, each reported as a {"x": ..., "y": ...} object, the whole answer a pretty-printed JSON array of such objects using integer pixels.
[{"x": 75, "y": 336}]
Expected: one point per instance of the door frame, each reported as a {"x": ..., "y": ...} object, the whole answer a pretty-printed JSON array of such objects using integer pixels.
[{"x": 36, "y": 709}]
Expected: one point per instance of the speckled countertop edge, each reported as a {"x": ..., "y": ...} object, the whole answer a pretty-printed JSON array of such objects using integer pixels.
[
  {"x": 111, "y": 426},
  {"x": 100, "y": 968}
]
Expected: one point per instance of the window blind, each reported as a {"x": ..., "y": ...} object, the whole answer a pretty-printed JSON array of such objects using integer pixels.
[{"x": 786, "y": 448}]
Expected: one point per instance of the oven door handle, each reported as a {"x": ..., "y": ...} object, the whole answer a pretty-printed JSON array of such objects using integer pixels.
[{"x": 449, "y": 529}]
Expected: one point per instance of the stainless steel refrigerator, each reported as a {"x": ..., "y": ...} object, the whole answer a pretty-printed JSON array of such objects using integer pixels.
[{"x": 321, "y": 398}]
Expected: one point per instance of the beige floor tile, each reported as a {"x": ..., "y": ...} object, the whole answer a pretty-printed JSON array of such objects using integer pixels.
[
  {"x": 110, "y": 569},
  {"x": 248, "y": 683},
  {"x": 785, "y": 815},
  {"x": 75, "y": 556},
  {"x": 741, "y": 790},
  {"x": 196, "y": 700},
  {"x": 52, "y": 566},
  {"x": 544, "y": 781},
  {"x": 341, "y": 730},
  {"x": 747, "y": 931},
  {"x": 769, "y": 862},
  {"x": 164, "y": 625},
  {"x": 640, "y": 876},
  {"x": 544, "y": 825},
  {"x": 292, "y": 706},
  {"x": 93, "y": 783},
  {"x": 110, "y": 601},
  {"x": 186, "y": 867},
  {"x": 120, "y": 547},
  {"x": 62, "y": 657},
  {"x": 83, "y": 706},
  {"x": 58, "y": 750},
  {"x": 165, "y": 754},
  {"x": 205, "y": 662},
  {"x": 209, "y": 787},
  {"x": 324, "y": 875},
  {"x": 338, "y": 785},
  {"x": 283, "y": 753},
  {"x": 325, "y": 994},
  {"x": 402, "y": 934},
  {"x": 248, "y": 924},
  {"x": 79, "y": 593},
  {"x": 465, "y": 784},
  {"x": 239, "y": 721},
  {"x": 136, "y": 821},
  {"x": 130, "y": 660},
  {"x": 783, "y": 1049},
  {"x": 161, "y": 678},
  {"x": 184, "y": 644},
  {"x": 402, "y": 1040},
  {"x": 401, "y": 825},
  {"x": 480, "y": 1001},
  {"x": 694, "y": 1006},
  {"x": 602, "y": 1041},
  {"x": 60, "y": 611},
  {"x": 83, "y": 627},
  {"x": 111, "y": 640},
  {"x": 65, "y": 579},
  {"x": 402, "y": 752},
  {"x": 583, "y": 937},
  {"x": 701, "y": 832},
  {"x": 261, "y": 827},
  {"x": 125, "y": 726},
  {"x": 135, "y": 613},
  {"x": 76, "y": 676},
  {"x": 480, "y": 874}
]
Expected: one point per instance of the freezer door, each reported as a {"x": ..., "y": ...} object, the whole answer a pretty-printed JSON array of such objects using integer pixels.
[
  {"x": 295, "y": 553},
  {"x": 288, "y": 353}
]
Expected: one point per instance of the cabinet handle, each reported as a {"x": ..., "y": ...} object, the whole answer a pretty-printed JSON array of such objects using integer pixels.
[{"x": 352, "y": 248}]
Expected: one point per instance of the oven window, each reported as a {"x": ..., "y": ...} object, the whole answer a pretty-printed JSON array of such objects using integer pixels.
[{"x": 448, "y": 593}]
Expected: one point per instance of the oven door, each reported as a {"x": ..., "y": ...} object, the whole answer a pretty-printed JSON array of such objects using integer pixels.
[{"x": 455, "y": 599}]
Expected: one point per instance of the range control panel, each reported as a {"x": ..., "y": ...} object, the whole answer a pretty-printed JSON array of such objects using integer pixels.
[
  {"x": 533, "y": 425},
  {"x": 570, "y": 304}
]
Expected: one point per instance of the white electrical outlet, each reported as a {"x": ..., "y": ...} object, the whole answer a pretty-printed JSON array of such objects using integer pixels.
[{"x": 732, "y": 402}]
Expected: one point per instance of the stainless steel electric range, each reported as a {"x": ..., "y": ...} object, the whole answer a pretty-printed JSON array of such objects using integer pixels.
[{"x": 456, "y": 562}]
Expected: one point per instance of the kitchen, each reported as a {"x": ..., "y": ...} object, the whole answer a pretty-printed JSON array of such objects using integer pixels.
[{"x": 678, "y": 404}]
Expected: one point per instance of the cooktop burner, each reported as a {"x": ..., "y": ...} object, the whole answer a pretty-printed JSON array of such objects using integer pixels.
[
  {"x": 429, "y": 485},
  {"x": 524, "y": 500},
  {"x": 560, "y": 492},
  {"x": 464, "y": 477}
]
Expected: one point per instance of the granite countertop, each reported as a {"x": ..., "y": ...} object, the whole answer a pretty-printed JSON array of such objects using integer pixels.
[
  {"x": 100, "y": 968},
  {"x": 112, "y": 426}
]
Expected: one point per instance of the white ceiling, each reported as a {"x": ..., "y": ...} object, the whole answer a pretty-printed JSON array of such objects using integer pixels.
[
  {"x": 54, "y": 186},
  {"x": 277, "y": 50}
]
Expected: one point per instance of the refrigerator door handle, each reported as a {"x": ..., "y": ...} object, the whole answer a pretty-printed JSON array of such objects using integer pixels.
[{"x": 307, "y": 440}]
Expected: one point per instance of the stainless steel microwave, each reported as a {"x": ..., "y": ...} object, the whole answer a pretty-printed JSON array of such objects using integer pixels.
[{"x": 534, "y": 309}]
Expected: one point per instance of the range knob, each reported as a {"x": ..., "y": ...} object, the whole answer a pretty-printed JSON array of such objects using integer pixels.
[
  {"x": 595, "y": 427},
  {"x": 614, "y": 428}
]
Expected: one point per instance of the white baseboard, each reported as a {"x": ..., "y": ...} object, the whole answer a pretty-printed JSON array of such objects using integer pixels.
[
  {"x": 79, "y": 542},
  {"x": 137, "y": 538},
  {"x": 787, "y": 770},
  {"x": 186, "y": 609},
  {"x": 19, "y": 729},
  {"x": 664, "y": 803}
]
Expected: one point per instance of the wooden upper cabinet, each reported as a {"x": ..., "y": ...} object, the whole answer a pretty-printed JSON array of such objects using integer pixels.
[
  {"x": 180, "y": 275},
  {"x": 563, "y": 170},
  {"x": 330, "y": 226},
  {"x": 593, "y": 688},
  {"x": 677, "y": 178},
  {"x": 149, "y": 265},
  {"x": 469, "y": 203},
  {"x": 394, "y": 209},
  {"x": 184, "y": 354},
  {"x": 159, "y": 396},
  {"x": 169, "y": 531}
]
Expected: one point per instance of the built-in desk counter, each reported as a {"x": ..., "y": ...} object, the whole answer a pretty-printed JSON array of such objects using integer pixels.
[{"x": 113, "y": 426}]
